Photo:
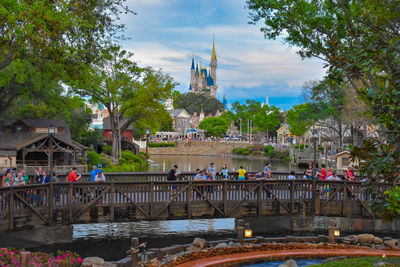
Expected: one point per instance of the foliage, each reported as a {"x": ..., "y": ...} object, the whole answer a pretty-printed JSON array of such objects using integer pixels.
[
  {"x": 11, "y": 257},
  {"x": 301, "y": 146},
  {"x": 93, "y": 158},
  {"x": 131, "y": 94},
  {"x": 107, "y": 149},
  {"x": 241, "y": 151},
  {"x": 195, "y": 103},
  {"x": 268, "y": 149},
  {"x": 214, "y": 126},
  {"x": 267, "y": 119},
  {"x": 359, "y": 41},
  {"x": 162, "y": 144},
  {"x": 298, "y": 119},
  {"x": 361, "y": 262}
]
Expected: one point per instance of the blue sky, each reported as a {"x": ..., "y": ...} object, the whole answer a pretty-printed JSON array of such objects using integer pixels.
[{"x": 164, "y": 34}]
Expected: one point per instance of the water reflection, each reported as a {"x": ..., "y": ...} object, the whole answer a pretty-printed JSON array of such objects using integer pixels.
[
  {"x": 152, "y": 228},
  {"x": 162, "y": 163}
]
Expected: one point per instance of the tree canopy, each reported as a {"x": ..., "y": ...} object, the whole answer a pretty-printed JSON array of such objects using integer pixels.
[
  {"x": 195, "y": 103},
  {"x": 215, "y": 126}
]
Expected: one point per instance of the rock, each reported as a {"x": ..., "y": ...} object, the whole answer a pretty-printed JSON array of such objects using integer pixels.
[
  {"x": 334, "y": 259},
  {"x": 154, "y": 263},
  {"x": 193, "y": 249},
  {"x": 221, "y": 245},
  {"x": 110, "y": 264},
  {"x": 289, "y": 263},
  {"x": 392, "y": 243},
  {"x": 378, "y": 240},
  {"x": 380, "y": 264},
  {"x": 350, "y": 239},
  {"x": 365, "y": 238},
  {"x": 93, "y": 262},
  {"x": 199, "y": 242},
  {"x": 230, "y": 243}
]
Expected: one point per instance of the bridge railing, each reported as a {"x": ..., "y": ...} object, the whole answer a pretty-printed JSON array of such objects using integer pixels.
[{"x": 71, "y": 200}]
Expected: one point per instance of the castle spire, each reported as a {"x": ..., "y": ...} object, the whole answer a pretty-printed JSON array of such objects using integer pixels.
[
  {"x": 192, "y": 68},
  {"x": 214, "y": 55}
]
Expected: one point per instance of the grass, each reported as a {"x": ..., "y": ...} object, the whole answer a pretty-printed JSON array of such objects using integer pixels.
[{"x": 361, "y": 262}]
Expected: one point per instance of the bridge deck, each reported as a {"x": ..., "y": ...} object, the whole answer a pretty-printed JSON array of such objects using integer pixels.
[{"x": 71, "y": 203}]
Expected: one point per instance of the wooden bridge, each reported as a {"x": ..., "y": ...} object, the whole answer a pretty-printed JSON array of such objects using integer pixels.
[{"x": 134, "y": 200}]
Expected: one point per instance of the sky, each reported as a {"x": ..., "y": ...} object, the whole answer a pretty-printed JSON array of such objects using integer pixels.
[{"x": 166, "y": 33}]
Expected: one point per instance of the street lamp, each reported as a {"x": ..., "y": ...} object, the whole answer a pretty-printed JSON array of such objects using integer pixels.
[
  {"x": 147, "y": 147},
  {"x": 51, "y": 132},
  {"x": 315, "y": 137}
]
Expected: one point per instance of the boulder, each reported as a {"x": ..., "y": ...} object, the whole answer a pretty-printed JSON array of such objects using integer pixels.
[
  {"x": 154, "y": 263},
  {"x": 193, "y": 249},
  {"x": 288, "y": 263},
  {"x": 221, "y": 245},
  {"x": 378, "y": 240},
  {"x": 392, "y": 243},
  {"x": 93, "y": 262},
  {"x": 365, "y": 238},
  {"x": 381, "y": 264},
  {"x": 199, "y": 242},
  {"x": 350, "y": 239}
]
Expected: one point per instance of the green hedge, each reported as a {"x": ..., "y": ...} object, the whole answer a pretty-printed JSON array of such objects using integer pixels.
[
  {"x": 161, "y": 144},
  {"x": 107, "y": 149},
  {"x": 241, "y": 151}
]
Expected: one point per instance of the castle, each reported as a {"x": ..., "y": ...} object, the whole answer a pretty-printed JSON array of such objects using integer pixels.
[{"x": 202, "y": 80}]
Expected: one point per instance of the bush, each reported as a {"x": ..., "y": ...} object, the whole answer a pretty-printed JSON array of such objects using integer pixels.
[
  {"x": 121, "y": 161},
  {"x": 132, "y": 158},
  {"x": 105, "y": 161},
  {"x": 301, "y": 146},
  {"x": 256, "y": 152},
  {"x": 107, "y": 149},
  {"x": 93, "y": 158},
  {"x": 241, "y": 151},
  {"x": 268, "y": 149},
  {"x": 161, "y": 144},
  {"x": 143, "y": 155}
]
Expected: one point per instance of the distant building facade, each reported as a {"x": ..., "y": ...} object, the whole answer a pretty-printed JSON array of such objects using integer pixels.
[
  {"x": 180, "y": 120},
  {"x": 204, "y": 80}
]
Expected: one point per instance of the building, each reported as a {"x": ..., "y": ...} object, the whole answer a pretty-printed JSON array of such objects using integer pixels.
[
  {"x": 98, "y": 114},
  {"x": 180, "y": 120},
  {"x": 25, "y": 143},
  {"x": 204, "y": 80},
  {"x": 127, "y": 142}
]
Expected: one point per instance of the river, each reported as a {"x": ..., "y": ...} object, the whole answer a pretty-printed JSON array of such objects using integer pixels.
[{"x": 163, "y": 163}]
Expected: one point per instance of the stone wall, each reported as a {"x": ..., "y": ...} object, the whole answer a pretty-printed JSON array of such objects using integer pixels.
[{"x": 196, "y": 148}]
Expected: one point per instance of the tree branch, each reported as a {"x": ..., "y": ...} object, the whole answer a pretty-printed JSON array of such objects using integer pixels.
[{"x": 7, "y": 59}]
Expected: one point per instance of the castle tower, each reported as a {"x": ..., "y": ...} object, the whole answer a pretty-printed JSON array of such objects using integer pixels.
[
  {"x": 192, "y": 75},
  {"x": 213, "y": 64}
]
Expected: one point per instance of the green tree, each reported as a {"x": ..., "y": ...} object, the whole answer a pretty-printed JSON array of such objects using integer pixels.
[
  {"x": 128, "y": 92},
  {"x": 358, "y": 40},
  {"x": 298, "y": 119},
  {"x": 245, "y": 112},
  {"x": 214, "y": 126},
  {"x": 267, "y": 119},
  {"x": 195, "y": 103}
]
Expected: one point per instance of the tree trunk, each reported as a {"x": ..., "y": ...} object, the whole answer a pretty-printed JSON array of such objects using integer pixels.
[
  {"x": 340, "y": 134},
  {"x": 114, "y": 130}
]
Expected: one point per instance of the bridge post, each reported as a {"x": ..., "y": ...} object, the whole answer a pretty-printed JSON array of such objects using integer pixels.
[
  {"x": 259, "y": 199},
  {"x": 151, "y": 199},
  {"x": 344, "y": 199},
  {"x": 112, "y": 201},
  {"x": 71, "y": 193},
  {"x": 189, "y": 199},
  {"x": 225, "y": 197},
  {"x": 317, "y": 202},
  {"x": 11, "y": 210},
  {"x": 240, "y": 230},
  {"x": 134, "y": 252},
  {"x": 292, "y": 196},
  {"x": 25, "y": 258}
]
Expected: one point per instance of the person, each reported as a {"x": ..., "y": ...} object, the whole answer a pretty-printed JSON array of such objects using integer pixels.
[
  {"x": 305, "y": 175},
  {"x": 267, "y": 170},
  {"x": 100, "y": 176},
  {"x": 44, "y": 178},
  {"x": 172, "y": 174},
  {"x": 309, "y": 172},
  {"x": 72, "y": 176},
  {"x": 6, "y": 177},
  {"x": 70, "y": 169},
  {"x": 56, "y": 178},
  {"x": 38, "y": 172},
  {"x": 224, "y": 172},
  {"x": 241, "y": 174},
  {"x": 93, "y": 173},
  {"x": 350, "y": 174},
  {"x": 324, "y": 172},
  {"x": 14, "y": 172},
  {"x": 200, "y": 175},
  {"x": 19, "y": 180},
  {"x": 10, "y": 181},
  {"x": 211, "y": 170},
  {"x": 291, "y": 176},
  {"x": 25, "y": 176}
]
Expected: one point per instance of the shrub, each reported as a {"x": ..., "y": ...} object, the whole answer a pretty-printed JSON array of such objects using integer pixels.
[
  {"x": 256, "y": 152},
  {"x": 121, "y": 161},
  {"x": 268, "y": 149},
  {"x": 143, "y": 155},
  {"x": 107, "y": 149},
  {"x": 161, "y": 144},
  {"x": 93, "y": 158},
  {"x": 105, "y": 161},
  {"x": 301, "y": 146},
  {"x": 111, "y": 168},
  {"x": 128, "y": 155}
]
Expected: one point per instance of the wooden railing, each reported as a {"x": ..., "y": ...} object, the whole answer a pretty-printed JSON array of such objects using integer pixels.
[{"x": 28, "y": 206}]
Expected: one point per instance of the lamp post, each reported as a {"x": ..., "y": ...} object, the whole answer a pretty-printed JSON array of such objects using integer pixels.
[
  {"x": 315, "y": 137},
  {"x": 147, "y": 147},
  {"x": 314, "y": 188},
  {"x": 51, "y": 132}
]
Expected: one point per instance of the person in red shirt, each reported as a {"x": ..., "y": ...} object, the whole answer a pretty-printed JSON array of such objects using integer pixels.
[
  {"x": 324, "y": 172},
  {"x": 73, "y": 177}
]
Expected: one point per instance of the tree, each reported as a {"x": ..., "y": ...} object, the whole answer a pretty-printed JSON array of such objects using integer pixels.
[
  {"x": 358, "y": 40},
  {"x": 214, "y": 126},
  {"x": 245, "y": 112},
  {"x": 195, "y": 103},
  {"x": 131, "y": 94},
  {"x": 298, "y": 119},
  {"x": 267, "y": 119}
]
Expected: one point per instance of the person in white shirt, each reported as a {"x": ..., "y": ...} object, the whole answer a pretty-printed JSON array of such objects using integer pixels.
[
  {"x": 19, "y": 180},
  {"x": 291, "y": 176},
  {"x": 100, "y": 176}
]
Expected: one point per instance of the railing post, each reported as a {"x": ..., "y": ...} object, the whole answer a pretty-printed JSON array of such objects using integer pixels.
[
  {"x": 50, "y": 202},
  {"x": 225, "y": 197},
  {"x": 70, "y": 201},
  {"x": 259, "y": 199},
  {"x": 189, "y": 199},
  {"x": 313, "y": 192},
  {"x": 25, "y": 258},
  {"x": 151, "y": 199},
  {"x": 292, "y": 196},
  {"x": 11, "y": 210},
  {"x": 344, "y": 201},
  {"x": 134, "y": 252},
  {"x": 112, "y": 201},
  {"x": 317, "y": 202},
  {"x": 240, "y": 230}
]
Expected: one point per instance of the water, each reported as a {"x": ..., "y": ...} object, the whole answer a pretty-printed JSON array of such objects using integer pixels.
[
  {"x": 163, "y": 163},
  {"x": 300, "y": 263}
]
